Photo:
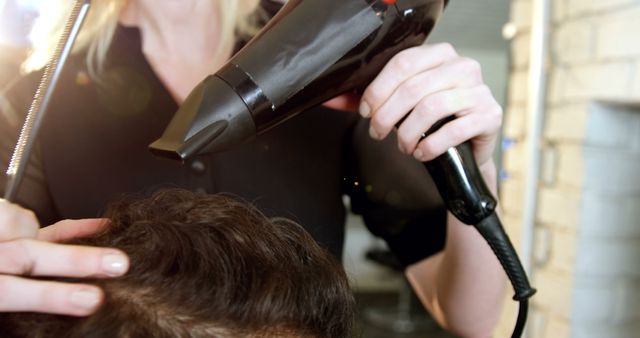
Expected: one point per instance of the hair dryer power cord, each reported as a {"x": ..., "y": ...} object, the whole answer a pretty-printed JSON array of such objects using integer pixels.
[{"x": 492, "y": 231}]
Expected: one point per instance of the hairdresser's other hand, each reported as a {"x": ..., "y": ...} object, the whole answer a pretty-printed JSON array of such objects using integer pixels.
[
  {"x": 26, "y": 251},
  {"x": 428, "y": 83}
]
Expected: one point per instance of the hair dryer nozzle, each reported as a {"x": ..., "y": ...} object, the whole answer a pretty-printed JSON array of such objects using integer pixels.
[{"x": 212, "y": 112}]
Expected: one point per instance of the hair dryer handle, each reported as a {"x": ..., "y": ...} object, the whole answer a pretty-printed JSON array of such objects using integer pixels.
[{"x": 460, "y": 183}]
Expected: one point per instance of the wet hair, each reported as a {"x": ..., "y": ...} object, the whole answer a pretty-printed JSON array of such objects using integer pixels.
[{"x": 208, "y": 266}]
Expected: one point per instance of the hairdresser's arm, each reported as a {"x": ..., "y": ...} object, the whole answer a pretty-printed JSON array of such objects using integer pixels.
[
  {"x": 463, "y": 286},
  {"x": 27, "y": 251}
]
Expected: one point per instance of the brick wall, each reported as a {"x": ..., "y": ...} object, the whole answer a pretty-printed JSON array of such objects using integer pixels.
[{"x": 587, "y": 236}]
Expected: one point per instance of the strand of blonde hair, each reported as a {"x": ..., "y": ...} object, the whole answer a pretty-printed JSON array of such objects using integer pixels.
[{"x": 99, "y": 28}]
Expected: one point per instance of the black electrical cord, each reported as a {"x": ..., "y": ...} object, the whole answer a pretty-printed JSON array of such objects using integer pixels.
[
  {"x": 522, "y": 319},
  {"x": 492, "y": 231},
  {"x": 467, "y": 197}
]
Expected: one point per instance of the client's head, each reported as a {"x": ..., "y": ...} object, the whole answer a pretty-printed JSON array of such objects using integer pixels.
[{"x": 209, "y": 266}]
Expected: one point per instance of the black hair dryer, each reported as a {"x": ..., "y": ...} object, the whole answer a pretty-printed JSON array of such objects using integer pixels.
[{"x": 310, "y": 52}]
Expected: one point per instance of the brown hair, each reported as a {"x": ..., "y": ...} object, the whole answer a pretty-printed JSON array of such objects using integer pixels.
[{"x": 209, "y": 266}]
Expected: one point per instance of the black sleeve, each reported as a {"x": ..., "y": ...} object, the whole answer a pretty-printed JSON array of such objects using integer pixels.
[
  {"x": 396, "y": 197},
  {"x": 33, "y": 192}
]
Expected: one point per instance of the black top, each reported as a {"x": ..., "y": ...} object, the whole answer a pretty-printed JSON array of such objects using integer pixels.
[{"x": 93, "y": 148}]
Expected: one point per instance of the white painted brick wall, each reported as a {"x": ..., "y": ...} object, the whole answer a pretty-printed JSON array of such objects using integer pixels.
[
  {"x": 613, "y": 38},
  {"x": 598, "y": 124},
  {"x": 628, "y": 307},
  {"x": 512, "y": 195},
  {"x": 554, "y": 290},
  {"x": 557, "y": 207},
  {"x": 548, "y": 176},
  {"x": 580, "y": 84},
  {"x": 521, "y": 13},
  {"x": 611, "y": 171},
  {"x": 566, "y": 123},
  {"x": 568, "y": 164},
  {"x": 513, "y": 226},
  {"x": 518, "y": 87},
  {"x": 587, "y": 243},
  {"x": 557, "y": 327},
  {"x": 581, "y": 8},
  {"x": 610, "y": 216},
  {"x": 515, "y": 160},
  {"x": 556, "y": 86},
  {"x": 605, "y": 307},
  {"x": 611, "y": 80},
  {"x": 520, "y": 50},
  {"x": 610, "y": 259},
  {"x": 599, "y": 330},
  {"x": 562, "y": 255},
  {"x": 574, "y": 43},
  {"x": 635, "y": 86},
  {"x": 593, "y": 301},
  {"x": 514, "y": 124},
  {"x": 606, "y": 301},
  {"x": 614, "y": 126},
  {"x": 536, "y": 323},
  {"x": 559, "y": 11}
]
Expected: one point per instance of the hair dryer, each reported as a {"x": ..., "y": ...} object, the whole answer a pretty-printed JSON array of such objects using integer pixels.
[{"x": 312, "y": 51}]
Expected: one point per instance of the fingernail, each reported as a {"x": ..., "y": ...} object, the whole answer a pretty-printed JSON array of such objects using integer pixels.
[
  {"x": 418, "y": 154},
  {"x": 115, "y": 264},
  {"x": 86, "y": 298},
  {"x": 373, "y": 133},
  {"x": 365, "y": 110}
]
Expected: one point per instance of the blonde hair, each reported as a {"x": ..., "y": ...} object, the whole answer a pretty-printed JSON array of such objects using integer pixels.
[{"x": 99, "y": 27}]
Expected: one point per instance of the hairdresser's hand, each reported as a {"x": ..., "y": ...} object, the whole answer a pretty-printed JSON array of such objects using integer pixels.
[
  {"x": 26, "y": 251},
  {"x": 426, "y": 84}
]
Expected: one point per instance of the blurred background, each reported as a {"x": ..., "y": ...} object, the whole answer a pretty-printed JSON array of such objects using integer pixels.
[
  {"x": 16, "y": 18},
  {"x": 567, "y": 73},
  {"x": 571, "y": 189}
]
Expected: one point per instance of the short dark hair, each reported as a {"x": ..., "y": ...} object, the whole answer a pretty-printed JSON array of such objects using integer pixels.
[{"x": 209, "y": 266}]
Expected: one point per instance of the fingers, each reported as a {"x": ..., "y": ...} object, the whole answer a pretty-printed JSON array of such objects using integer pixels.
[
  {"x": 16, "y": 222},
  {"x": 422, "y": 85},
  {"x": 434, "y": 108},
  {"x": 457, "y": 73},
  {"x": 23, "y": 295},
  {"x": 70, "y": 229},
  {"x": 346, "y": 102},
  {"x": 453, "y": 134},
  {"x": 400, "y": 68},
  {"x": 37, "y": 258},
  {"x": 21, "y": 255}
]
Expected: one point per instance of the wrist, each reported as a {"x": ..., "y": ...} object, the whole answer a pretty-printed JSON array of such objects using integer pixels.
[{"x": 489, "y": 173}]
